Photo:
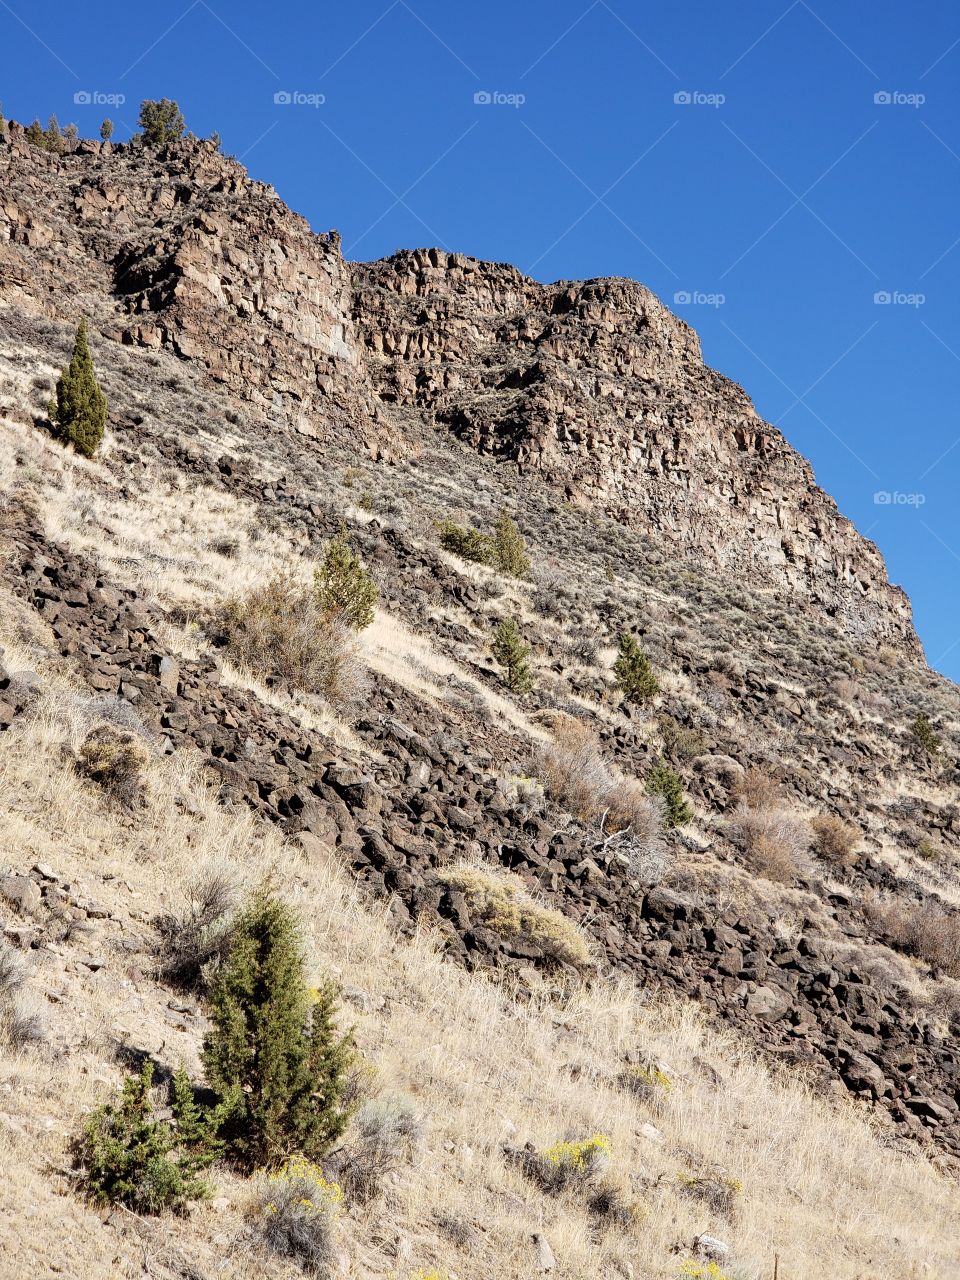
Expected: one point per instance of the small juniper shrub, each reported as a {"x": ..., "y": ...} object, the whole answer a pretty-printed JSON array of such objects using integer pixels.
[
  {"x": 925, "y": 738},
  {"x": 467, "y": 543},
  {"x": 509, "y": 548},
  {"x": 633, "y": 673},
  {"x": 343, "y": 587},
  {"x": 665, "y": 782},
  {"x": 114, "y": 759},
  {"x": 106, "y": 130},
  {"x": 273, "y": 1054},
  {"x": 54, "y": 136},
  {"x": 51, "y": 139},
  {"x": 385, "y": 1133},
  {"x": 718, "y": 1191},
  {"x": 835, "y": 840},
  {"x": 501, "y": 902},
  {"x": 79, "y": 411},
  {"x": 511, "y": 651},
  {"x": 195, "y": 939},
  {"x": 505, "y": 549},
  {"x": 298, "y": 1212},
  {"x": 128, "y": 1155}
]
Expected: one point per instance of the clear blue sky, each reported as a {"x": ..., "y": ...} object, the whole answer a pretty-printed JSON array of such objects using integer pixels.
[{"x": 783, "y": 185}]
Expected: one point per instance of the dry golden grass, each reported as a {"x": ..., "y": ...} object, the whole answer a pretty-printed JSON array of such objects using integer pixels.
[
  {"x": 834, "y": 839},
  {"x": 501, "y": 902},
  {"x": 820, "y": 1189},
  {"x": 395, "y": 650}
]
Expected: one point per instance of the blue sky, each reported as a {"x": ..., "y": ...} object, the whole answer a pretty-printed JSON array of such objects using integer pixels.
[{"x": 793, "y": 169}]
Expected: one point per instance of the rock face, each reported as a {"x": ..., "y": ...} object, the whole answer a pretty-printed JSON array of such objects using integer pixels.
[
  {"x": 595, "y": 386},
  {"x": 197, "y": 257},
  {"x": 592, "y": 386}
]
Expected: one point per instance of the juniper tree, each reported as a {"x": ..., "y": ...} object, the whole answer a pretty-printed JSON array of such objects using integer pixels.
[
  {"x": 664, "y": 782},
  {"x": 80, "y": 409},
  {"x": 273, "y": 1054},
  {"x": 466, "y": 542},
  {"x": 511, "y": 652},
  {"x": 106, "y": 130},
  {"x": 509, "y": 548},
  {"x": 343, "y": 586},
  {"x": 54, "y": 138},
  {"x": 925, "y": 737},
  {"x": 127, "y": 1154},
  {"x": 634, "y": 675},
  {"x": 161, "y": 122}
]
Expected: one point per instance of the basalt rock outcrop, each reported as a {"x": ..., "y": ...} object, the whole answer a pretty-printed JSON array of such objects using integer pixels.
[
  {"x": 180, "y": 248},
  {"x": 597, "y": 388},
  {"x": 593, "y": 387}
]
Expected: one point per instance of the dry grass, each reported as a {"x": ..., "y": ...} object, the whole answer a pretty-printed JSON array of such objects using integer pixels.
[
  {"x": 501, "y": 902},
  {"x": 484, "y": 1069},
  {"x": 279, "y": 631},
  {"x": 114, "y": 759},
  {"x": 925, "y": 930},
  {"x": 397, "y": 651},
  {"x": 835, "y": 840},
  {"x": 773, "y": 842},
  {"x": 756, "y": 790}
]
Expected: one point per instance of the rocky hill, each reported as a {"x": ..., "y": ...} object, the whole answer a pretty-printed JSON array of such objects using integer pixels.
[
  {"x": 593, "y": 386},
  {"x": 265, "y": 393}
]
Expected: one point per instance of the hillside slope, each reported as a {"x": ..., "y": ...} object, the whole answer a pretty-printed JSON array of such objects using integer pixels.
[{"x": 264, "y": 394}]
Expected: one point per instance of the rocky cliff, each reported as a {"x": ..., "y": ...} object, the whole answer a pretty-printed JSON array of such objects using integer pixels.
[
  {"x": 596, "y": 387},
  {"x": 593, "y": 386},
  {"x": 181, "y": 249}
]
